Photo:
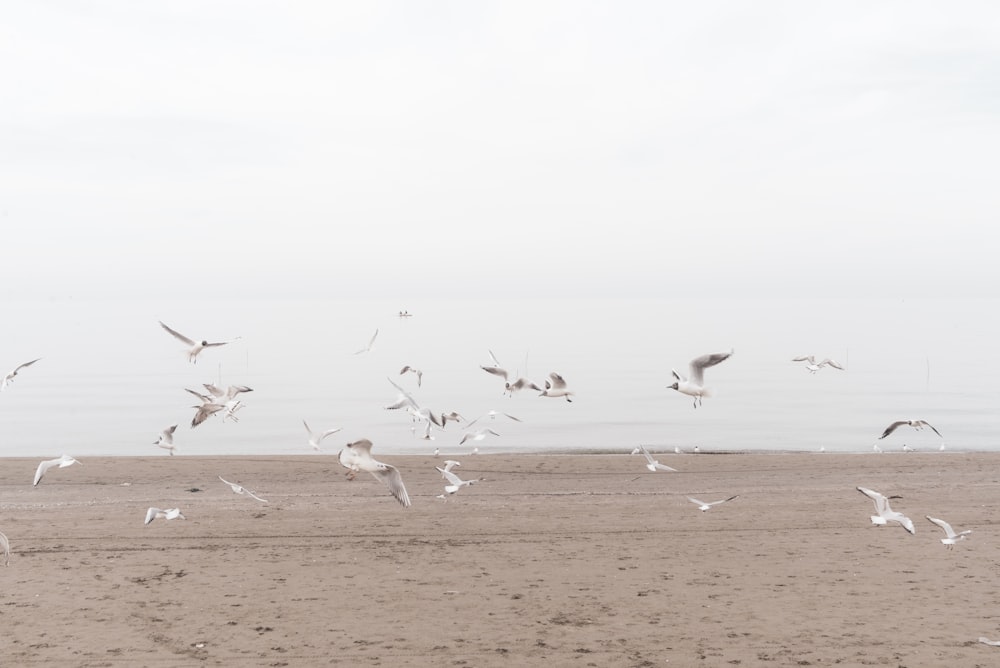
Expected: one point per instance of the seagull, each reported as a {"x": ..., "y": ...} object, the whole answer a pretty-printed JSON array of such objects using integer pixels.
[
  {"x": 195, "y": 347},
  {"x": 885, "y": 513},
  {"x": 452, "y": 416},
  {"x": 5, "y": 546},
  {"x": 239, "y": 489},
  {"x": 157, "y": 514},
  {"x": 449, "y": 464},
  {"x": 228, "y": 398},
  {"x": 694, "y": 386},
  {"x": 876, "y": 448},
  {"x": 492, "y": 415},
  {"x": 9, "y": 378},
  {"x": 357, "y": 456},
  {"x": 371, "y": 342},
  {"x": 916, "y": 424},
  {"x": 907, "y": 448},
  {"x": 456, "y": 483},
  {"x": 813, "y": 366},
  {"x": 204, "y": 411},
  {"x": 413, "y": 408},
  {"x": 166, "y": 439},
  {"x": 950, "y": 536},
  {"x": 420, "y": 374},
  {"x": 62, "y": 463},
  {"x": 511, "y": 387},
  {"x": 556, "y": 387},
  {"x": 477, "y": 435},
  {"x": 987, "y": 641},
  {"x": 315, "y": 439},
  {"x": 651, "y": 463},
  {"x": 703, "y": 505}
]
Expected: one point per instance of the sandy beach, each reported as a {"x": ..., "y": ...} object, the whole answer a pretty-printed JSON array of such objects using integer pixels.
[{"x": 556, "y": 560}]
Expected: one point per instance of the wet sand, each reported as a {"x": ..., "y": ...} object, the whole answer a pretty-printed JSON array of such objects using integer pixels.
[{"x": 555, "y": 560}]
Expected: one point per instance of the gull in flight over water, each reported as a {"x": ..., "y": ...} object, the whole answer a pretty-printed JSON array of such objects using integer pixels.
[
  {"x": 239, "y": 489},
  {"x": 555, "y": 386},
  {"x": 194, "y": 347},
  {"x": 705, "y": 505},
  {"x": 651, "y": 463},
  {"x": 9, "y": 378},
  {"x": 158, "y": 514},
  {"x": 418, "y": 372},
  {"x": 371, "y": 343},
  {"x": 510, "y": 387},
  {"x": 166, "y": 439},
  {"x": 950, "y": 536},
  {"x": 357, "y": 456},
  {"x": 316, "y": 438},
  {"x": 406, "y": 400},
  {"x": 885, "y": 513},
  {"x": 477, "y": 435},
  {"x": 454, "y": 482},
  {"x": 813, "y": 366},
  {"x": 62, "y": 463},
  {"x": 694, "y": 385},
  {"x": 492, "y": 415},
  {"x": 916, "y": 424}
]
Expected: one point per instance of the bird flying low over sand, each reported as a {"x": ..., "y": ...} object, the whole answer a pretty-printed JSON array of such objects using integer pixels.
[
  {"x": 705, "y": 505},
  {"x": 813, "y": 366},
  {"x": 950, "y": 537},
  {"x": 651, "y": 463},
  {"x": 315, "y": 438},
  {"x": 492, "y": 415},
  {"x": 555, "y": 386},
  {"x": 477, "y": 435},
  {"x": 885, "y": 513},
  {"x": 9, "y": 378},
  {"x": 694, "y": 384},
  {"x": 357, "y": 456},
  {"x": 454, "y": 482},
  {"x": 62, "y": 463},
  {"x": 916, "y": 424},
  {"x": 240, "y": 489},
  {"x": 158, "y": 514},
  {"x": 194, "y": 347},
  {"x": 166, "y": 439}
]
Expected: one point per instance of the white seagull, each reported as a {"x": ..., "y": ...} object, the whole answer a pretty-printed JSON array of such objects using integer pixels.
[
  {"x": 371, "y": 342},
  {"x": 169, "y": 514},
  {"x": 455, "y": 483},
  {"x": 194, "y": 347},
  {"x": 426, "y": 415},
  {"x": 62, "y": 463},
  {"x": 449, "y": 464},
  {"x": 477, "y": 435},
  {"x": 316, "y": 438},
  {"x": 418, "y": 372},
  {"x": 813, "y": 366},
  {"x": 9, "y": 378},
  {"x": 555, "y": 386},
  {"x": 239, "y": 489},
  {"x": 166, "y": 439},
  {"x": 694, "y": 385},
  {"x": 916, "y": 424},
  {"x": 510, "y": 387},
  {"x": 705, "y": 505},
  {"x": 885, "y": 513},
  {"x": 950, "y": 536},
  {"x": 651, "y": 463},
  {"x": 492, "y": 415},
  {"x": 357, "y": 456}
]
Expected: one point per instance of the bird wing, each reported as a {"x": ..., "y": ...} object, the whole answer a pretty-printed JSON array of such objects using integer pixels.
[
  {"x": 699, "y": 364},
  {"x": 18, "y": 368},
  {"x": 329, "y": 431},
  {"x": 493, "y": 357},
  {"x": 495, "y": 370},
  {"x": 151, "y": 515},
  {"x": 43, "y": 467},
  {"x": 928, "y": 424},
  {"x": 236, "y": 488},
  {"x": 906, "y": 522},
  {"x": 833, "y": 363},
  {"x": 409, "y": 397},
  {"x": 735, "y": 496},
  {"x": 944, "y": 525},
  {"x": 891, "y": 428},
  {"x": 557, "y": 381},
  {"x": 177, "y": 334},
  {"x": 390, "y": 476},
  {"x": 645, "y": 453},
  {"x": 363, "y": 447},
  {"x": 881, "y": 503},
  {"x": 694, "y": 500},
  {"x": 804, "y": 358},
  {"x": 449, "y": 476}
]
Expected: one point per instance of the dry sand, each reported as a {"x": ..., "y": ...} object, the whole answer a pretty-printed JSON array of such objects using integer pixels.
[{"x": 555, "y": 560}]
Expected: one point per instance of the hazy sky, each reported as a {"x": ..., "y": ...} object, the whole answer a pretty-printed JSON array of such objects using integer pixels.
[{"x": 352, "y": 149}]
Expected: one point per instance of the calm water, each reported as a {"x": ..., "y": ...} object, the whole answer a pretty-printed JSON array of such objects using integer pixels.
[{"x": 110, "y": 378}]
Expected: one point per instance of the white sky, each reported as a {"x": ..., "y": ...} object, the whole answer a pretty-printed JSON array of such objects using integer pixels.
[{"x": 352, "y": 149}]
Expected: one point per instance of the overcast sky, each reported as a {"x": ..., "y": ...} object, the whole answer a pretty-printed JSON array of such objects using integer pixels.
[{"x": 353, "y": 149}]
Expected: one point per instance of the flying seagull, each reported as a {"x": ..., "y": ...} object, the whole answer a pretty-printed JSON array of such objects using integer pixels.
[
  {"x": 357, "y": 456},
  {"x": 555, "y": 386},
  {"x": 166, "y": 439},
  {"x": 950, "y": 536},
  {"x": 916, "y": 424},
  {"x": 9, "y": 378},
  {"x": 705, "y": 505},
  {"x": 694, "y": 385},
  {"x": 813, "y": 366},
  {"x": 371, "y": 342},
  {"x": 316, "y": 438},
  {"x": 492, "y": 415},
  {"x": 454, "y": 482},
  {"x": 62, "y": 463},
  {"x": 651, "y": 463},
  {"x": 885, "y": 513},
  {"x": 194, "y": 347},
  {"x": 477, "y": 435},
  {"x": 239, "y": 489},
  {"x": 418, "y": 372},
  {"x": 157, "y": 514}
]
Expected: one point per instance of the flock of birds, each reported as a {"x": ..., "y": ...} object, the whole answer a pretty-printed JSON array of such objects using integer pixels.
[{"x": 357, "y": 456}]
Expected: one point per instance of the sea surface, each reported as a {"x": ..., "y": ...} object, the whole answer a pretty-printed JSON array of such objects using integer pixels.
[{"x": 110, "y": 378}]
